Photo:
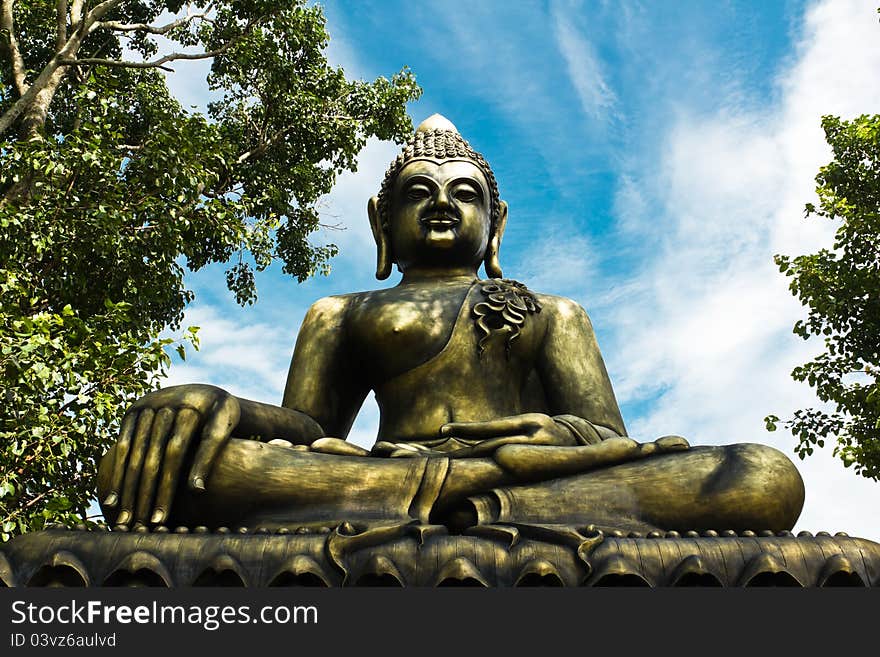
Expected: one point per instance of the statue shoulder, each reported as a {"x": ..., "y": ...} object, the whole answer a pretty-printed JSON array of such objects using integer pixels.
[
  {"x": 563, "y": 310},
  {"x": 331, "y": 310},
  {"x": 336, "y": 310},
  {"x": 513, "y": 302}
]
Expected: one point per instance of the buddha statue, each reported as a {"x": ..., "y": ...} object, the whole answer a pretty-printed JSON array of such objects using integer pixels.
[{"x": 495, "y": 404}]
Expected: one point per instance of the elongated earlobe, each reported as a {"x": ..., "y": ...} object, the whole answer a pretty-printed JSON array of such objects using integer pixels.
[
  {"x": 383, "y": 252},
  {"x": 490, "y": 261}
]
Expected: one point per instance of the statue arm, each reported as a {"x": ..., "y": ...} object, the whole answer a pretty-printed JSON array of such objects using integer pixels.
[
  {"x": 573, "y": 374},
  {"x": 266, "y": 422},
  {"x": 140, "y": 473},
  {"x": 321, "y": 397},
  {"x": 324, "y": 380}
]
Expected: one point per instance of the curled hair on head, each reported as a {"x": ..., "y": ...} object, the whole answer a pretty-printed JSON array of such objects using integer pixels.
[{"x": 437, "y": 144}]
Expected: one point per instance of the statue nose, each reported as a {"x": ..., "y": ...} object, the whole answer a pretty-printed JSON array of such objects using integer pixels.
[{"x": 441, "y": 200}]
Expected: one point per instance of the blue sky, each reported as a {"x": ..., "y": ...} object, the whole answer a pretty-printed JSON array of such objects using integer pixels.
[{"x": 654, "y": 156}]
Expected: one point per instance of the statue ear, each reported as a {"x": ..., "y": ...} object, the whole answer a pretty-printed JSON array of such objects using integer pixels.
[
  {"x": 490, "y": 261},
  {"x": 383, "y": 252}
]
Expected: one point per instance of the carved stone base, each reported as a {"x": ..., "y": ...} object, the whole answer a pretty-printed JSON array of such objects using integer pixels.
[{"x": 427, "y": 555}]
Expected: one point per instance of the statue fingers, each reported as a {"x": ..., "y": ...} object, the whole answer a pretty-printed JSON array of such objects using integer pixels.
[
  {"x": 537, "y": 461},
  {"x": 338, "y": 447},
  {"x": 185, "y": 425},
  {"x": 505, "y": 426},
  {"x": 608, "y": 452},
  {"x": 162, "y": 425},
  {"x": 120, "y": 457},
  {"x": 383, "y": 448},
  {"x": 488, "y": 446},
  {"x": 647, "y": 449},
  {"x": 663, "y": 445},
  {"x": 672, "y": 443},
  {"x": 404, "y": 452},
  {"x": 218, "y": 428},
  {"x": 136, "y": 455}
]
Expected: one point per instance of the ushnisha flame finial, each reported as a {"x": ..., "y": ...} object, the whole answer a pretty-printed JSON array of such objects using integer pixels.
[{"x": 437, "y": 122}]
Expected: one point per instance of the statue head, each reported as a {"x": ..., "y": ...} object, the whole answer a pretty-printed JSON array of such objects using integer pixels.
[{"x": 438, "y": 153}]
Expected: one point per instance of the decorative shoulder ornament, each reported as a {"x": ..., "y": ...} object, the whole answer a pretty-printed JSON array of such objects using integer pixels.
[{"x": 508, "y": 303}]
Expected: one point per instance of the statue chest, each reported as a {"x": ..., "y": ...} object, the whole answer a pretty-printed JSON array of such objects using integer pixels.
[{"x": 395, "y": 331}]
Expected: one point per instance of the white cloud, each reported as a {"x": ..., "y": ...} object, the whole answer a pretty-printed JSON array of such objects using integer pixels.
[
  {"x": 249, "y": 359},
  {"x": 516, "y": 56},
  {"x": 584, "y": 68},
  {"x": 559, "y": 259},
  {"x": 366, "y": 426},
  {"x": 630, "y": 205},
  {"x": 188, "y": 84},
  {"x": 706, "y": 326}
]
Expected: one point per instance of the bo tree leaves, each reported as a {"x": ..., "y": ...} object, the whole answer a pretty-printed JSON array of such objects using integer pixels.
[
  {"x": 110, "y": 190},
  {"x": 841, "y": 289}
]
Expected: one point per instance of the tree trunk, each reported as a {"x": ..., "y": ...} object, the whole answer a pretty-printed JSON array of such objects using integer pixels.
[{"x": 35, "y": 115}]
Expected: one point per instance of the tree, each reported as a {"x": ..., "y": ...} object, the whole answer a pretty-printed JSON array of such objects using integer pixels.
[
  {"x": 841, "y": 289},
  {"x": 109, "y": 190}
]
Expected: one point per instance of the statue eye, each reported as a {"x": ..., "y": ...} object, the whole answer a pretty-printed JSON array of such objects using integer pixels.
[
  {"x": 465, "y": 195},
  {"x": 417, "y": 193}
]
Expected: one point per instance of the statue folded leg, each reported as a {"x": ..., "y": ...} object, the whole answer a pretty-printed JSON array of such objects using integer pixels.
[
  {"x": 732, "y": 487},
  {"x": 739, "y": 487},
  {"x": 258, "y": 484}
]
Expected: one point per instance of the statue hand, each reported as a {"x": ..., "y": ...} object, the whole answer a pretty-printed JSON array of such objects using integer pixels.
[
  {"x": 531, "y": 462},
  {"x": 524, "y": 429},
  {"x": 155, "y": 437}
]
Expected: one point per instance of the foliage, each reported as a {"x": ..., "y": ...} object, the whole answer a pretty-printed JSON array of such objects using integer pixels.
[
  {"x": 70, "y": 378},
  {"x": 110, "y": 190},
  {"x": 841, "y": 289}
]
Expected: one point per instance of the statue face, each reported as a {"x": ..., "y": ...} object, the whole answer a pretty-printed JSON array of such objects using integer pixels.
[{"x": 439, "y": 214}]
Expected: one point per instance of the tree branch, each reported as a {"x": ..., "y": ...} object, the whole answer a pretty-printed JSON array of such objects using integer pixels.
[
  {"x": 264, "y": 146},
  {"x": 76, "y": 14},
  {"x": 154, "y": 29},
  {"x": 100, "y": 10},
  {"x": 19, "y": 70},
  {"x": 97, "y": 61},
  {"x": 158, "y": 63},
  {"x": 61, "y": 24}
]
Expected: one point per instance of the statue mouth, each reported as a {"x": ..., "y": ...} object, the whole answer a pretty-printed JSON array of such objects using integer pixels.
[{"x": 440, "y": 222}]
